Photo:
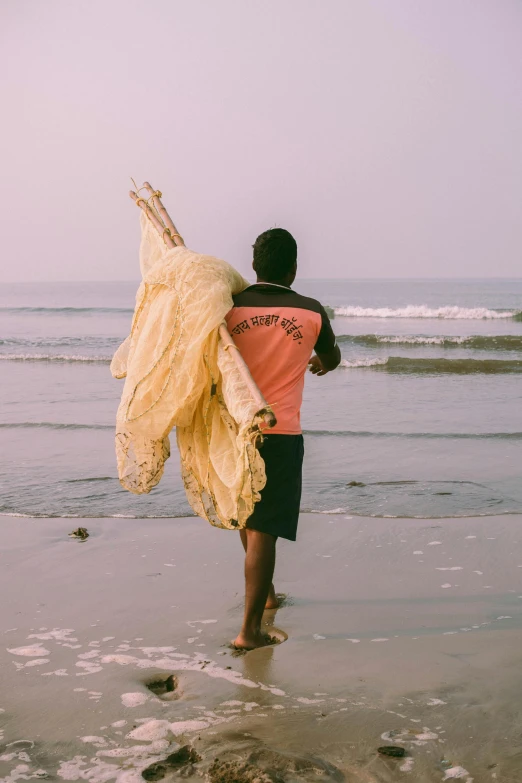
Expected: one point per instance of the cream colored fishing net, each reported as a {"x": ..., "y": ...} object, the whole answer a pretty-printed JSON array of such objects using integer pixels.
[{"x": 177, "y": 374}]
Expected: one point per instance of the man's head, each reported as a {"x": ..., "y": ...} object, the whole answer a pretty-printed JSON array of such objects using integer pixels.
[{"x": 275, "y": 257}]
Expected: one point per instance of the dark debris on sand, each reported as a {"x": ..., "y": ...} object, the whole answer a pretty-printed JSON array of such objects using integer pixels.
[
  {"x": 239, "y": 772},
  {"x": 232, "y": 759},
  {"x": 182, "y": 758},
  {"x": 81, "y": 534},
  {"x": 395, "y": 751},
  {"x": 263, "y": 765}
]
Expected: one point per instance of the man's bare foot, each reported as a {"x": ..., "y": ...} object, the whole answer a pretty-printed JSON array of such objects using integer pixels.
[
  {"x": 274, "y": 599},
  {"x": 246, "y": 641}
]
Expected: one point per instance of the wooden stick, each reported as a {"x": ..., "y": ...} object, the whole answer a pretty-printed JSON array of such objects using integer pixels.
[
  {"x": 230, "y": 345},
  {"x": 158, "y": 225},
  {"x": 224, "y": 334},
  {"x": 156, "y": 200}
]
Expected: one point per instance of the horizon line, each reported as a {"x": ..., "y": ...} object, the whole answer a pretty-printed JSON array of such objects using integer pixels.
[{"x": 298, "y": 279}]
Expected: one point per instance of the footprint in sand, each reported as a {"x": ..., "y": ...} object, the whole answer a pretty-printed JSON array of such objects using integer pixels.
[{"x": 164, "y": 688}]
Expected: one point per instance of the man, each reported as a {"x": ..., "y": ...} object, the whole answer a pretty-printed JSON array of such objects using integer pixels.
[{"x": 276, "y": 330}]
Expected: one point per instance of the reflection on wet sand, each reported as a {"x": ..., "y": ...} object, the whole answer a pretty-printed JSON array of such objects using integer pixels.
[{"x": 400, "y": 635}]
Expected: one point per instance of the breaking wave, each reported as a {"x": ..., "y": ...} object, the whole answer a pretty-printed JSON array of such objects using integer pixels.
[
  {"x": 49, "y": 342},
  {"x": 370, "y": 362},
  {"x": 414, "y": 435},
  {"x": 51, "y": 357},
  {"x": 422, "y": 311},
  {"x": 39, "y": 515},
  {"x": 65, "y": 310},
  {"x": 401, "y": 364},
  {"x": 502, "y": 342},
  {"x": 53, "y": 425}
]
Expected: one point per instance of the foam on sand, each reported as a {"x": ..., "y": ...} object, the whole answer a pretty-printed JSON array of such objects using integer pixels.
[
  {"x": 34, "y": 651},
  {"x": 133, "y": 699},
  {"x": 460, "y": 773},
  {"x": 423, "y": 669}
]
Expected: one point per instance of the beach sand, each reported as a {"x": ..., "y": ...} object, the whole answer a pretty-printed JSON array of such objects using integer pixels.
[{"x": 403, "y": 632}]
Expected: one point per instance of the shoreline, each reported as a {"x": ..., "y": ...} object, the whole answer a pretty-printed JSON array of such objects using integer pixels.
[
  {"x": 405, "y": 628},
  {"x": 337, "y": 512}
]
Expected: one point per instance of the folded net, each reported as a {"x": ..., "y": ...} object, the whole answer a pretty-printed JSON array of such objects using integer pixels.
[{"x": 178, "y": 374}]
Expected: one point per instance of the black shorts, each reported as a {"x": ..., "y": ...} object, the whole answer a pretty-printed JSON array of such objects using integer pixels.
[{"x": 277, "y": 512}]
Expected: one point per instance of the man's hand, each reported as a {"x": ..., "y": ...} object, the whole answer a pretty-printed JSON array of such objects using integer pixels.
[{"x": 316, "y": 366}]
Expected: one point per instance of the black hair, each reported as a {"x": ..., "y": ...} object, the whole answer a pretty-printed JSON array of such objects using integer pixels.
[{"x": 275, "y": 254}]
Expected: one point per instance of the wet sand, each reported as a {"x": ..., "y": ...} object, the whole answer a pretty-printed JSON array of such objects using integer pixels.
[{"x": 405, "y": 632}]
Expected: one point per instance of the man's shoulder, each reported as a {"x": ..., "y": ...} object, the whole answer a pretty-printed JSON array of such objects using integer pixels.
[
  {"x": 272, "y": 296},
  {"x": 308, "y": 303}
]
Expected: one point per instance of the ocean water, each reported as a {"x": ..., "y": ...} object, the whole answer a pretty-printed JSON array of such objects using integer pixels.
[{"x": 423, "y": 419}]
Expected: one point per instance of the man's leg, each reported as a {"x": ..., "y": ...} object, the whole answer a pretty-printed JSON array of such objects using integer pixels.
[
  {"x": 260, "y": 551},
  {"x": 272, "y": 602}
]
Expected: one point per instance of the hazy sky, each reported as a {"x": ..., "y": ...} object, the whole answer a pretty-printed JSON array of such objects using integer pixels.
[{"x": 385, "y": 134}]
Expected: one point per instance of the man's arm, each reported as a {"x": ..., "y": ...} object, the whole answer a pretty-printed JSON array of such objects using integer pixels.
[{"x": 327, "y": 353}]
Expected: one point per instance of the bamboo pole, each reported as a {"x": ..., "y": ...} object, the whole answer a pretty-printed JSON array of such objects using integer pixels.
[
  {"x": 167, "y": 230},
  {"x": 158, "y": 225},
  {"x": 164, "y": 215}
]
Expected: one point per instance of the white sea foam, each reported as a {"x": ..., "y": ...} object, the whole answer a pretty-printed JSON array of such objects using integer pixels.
[
  {"x": 51, "y": 357},
  {"x": 182, "y": 726},
  {"x": 158, "y": 650},
  {"x": 192, "y": 623},
  {"x": 35, "y": 651},
  {"x": 458, "y": 772},
  {"x": 59, "y": 634},
  {"x": 151, "y": 730},
  {"x": 423, "y": 311},
  {"x": 373, "y": 362},
  {"x": 331, "y": 511},
  {"x": 101, "y": 515},
  {"x": 408, "y": 364},
  {"x": 88, "y": 668},
  {"x": 133, "y": 699},
  {"x": 134, "y": 752},
  {"x": 93, "y": 740},
  {"x": 414, "y": 340},
  {"x": 33, "y": 662},
  {"x": 508, "y": 342}
]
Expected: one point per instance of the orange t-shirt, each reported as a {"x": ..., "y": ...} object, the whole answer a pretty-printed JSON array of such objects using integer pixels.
[{"x": 276, "y": 330}]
